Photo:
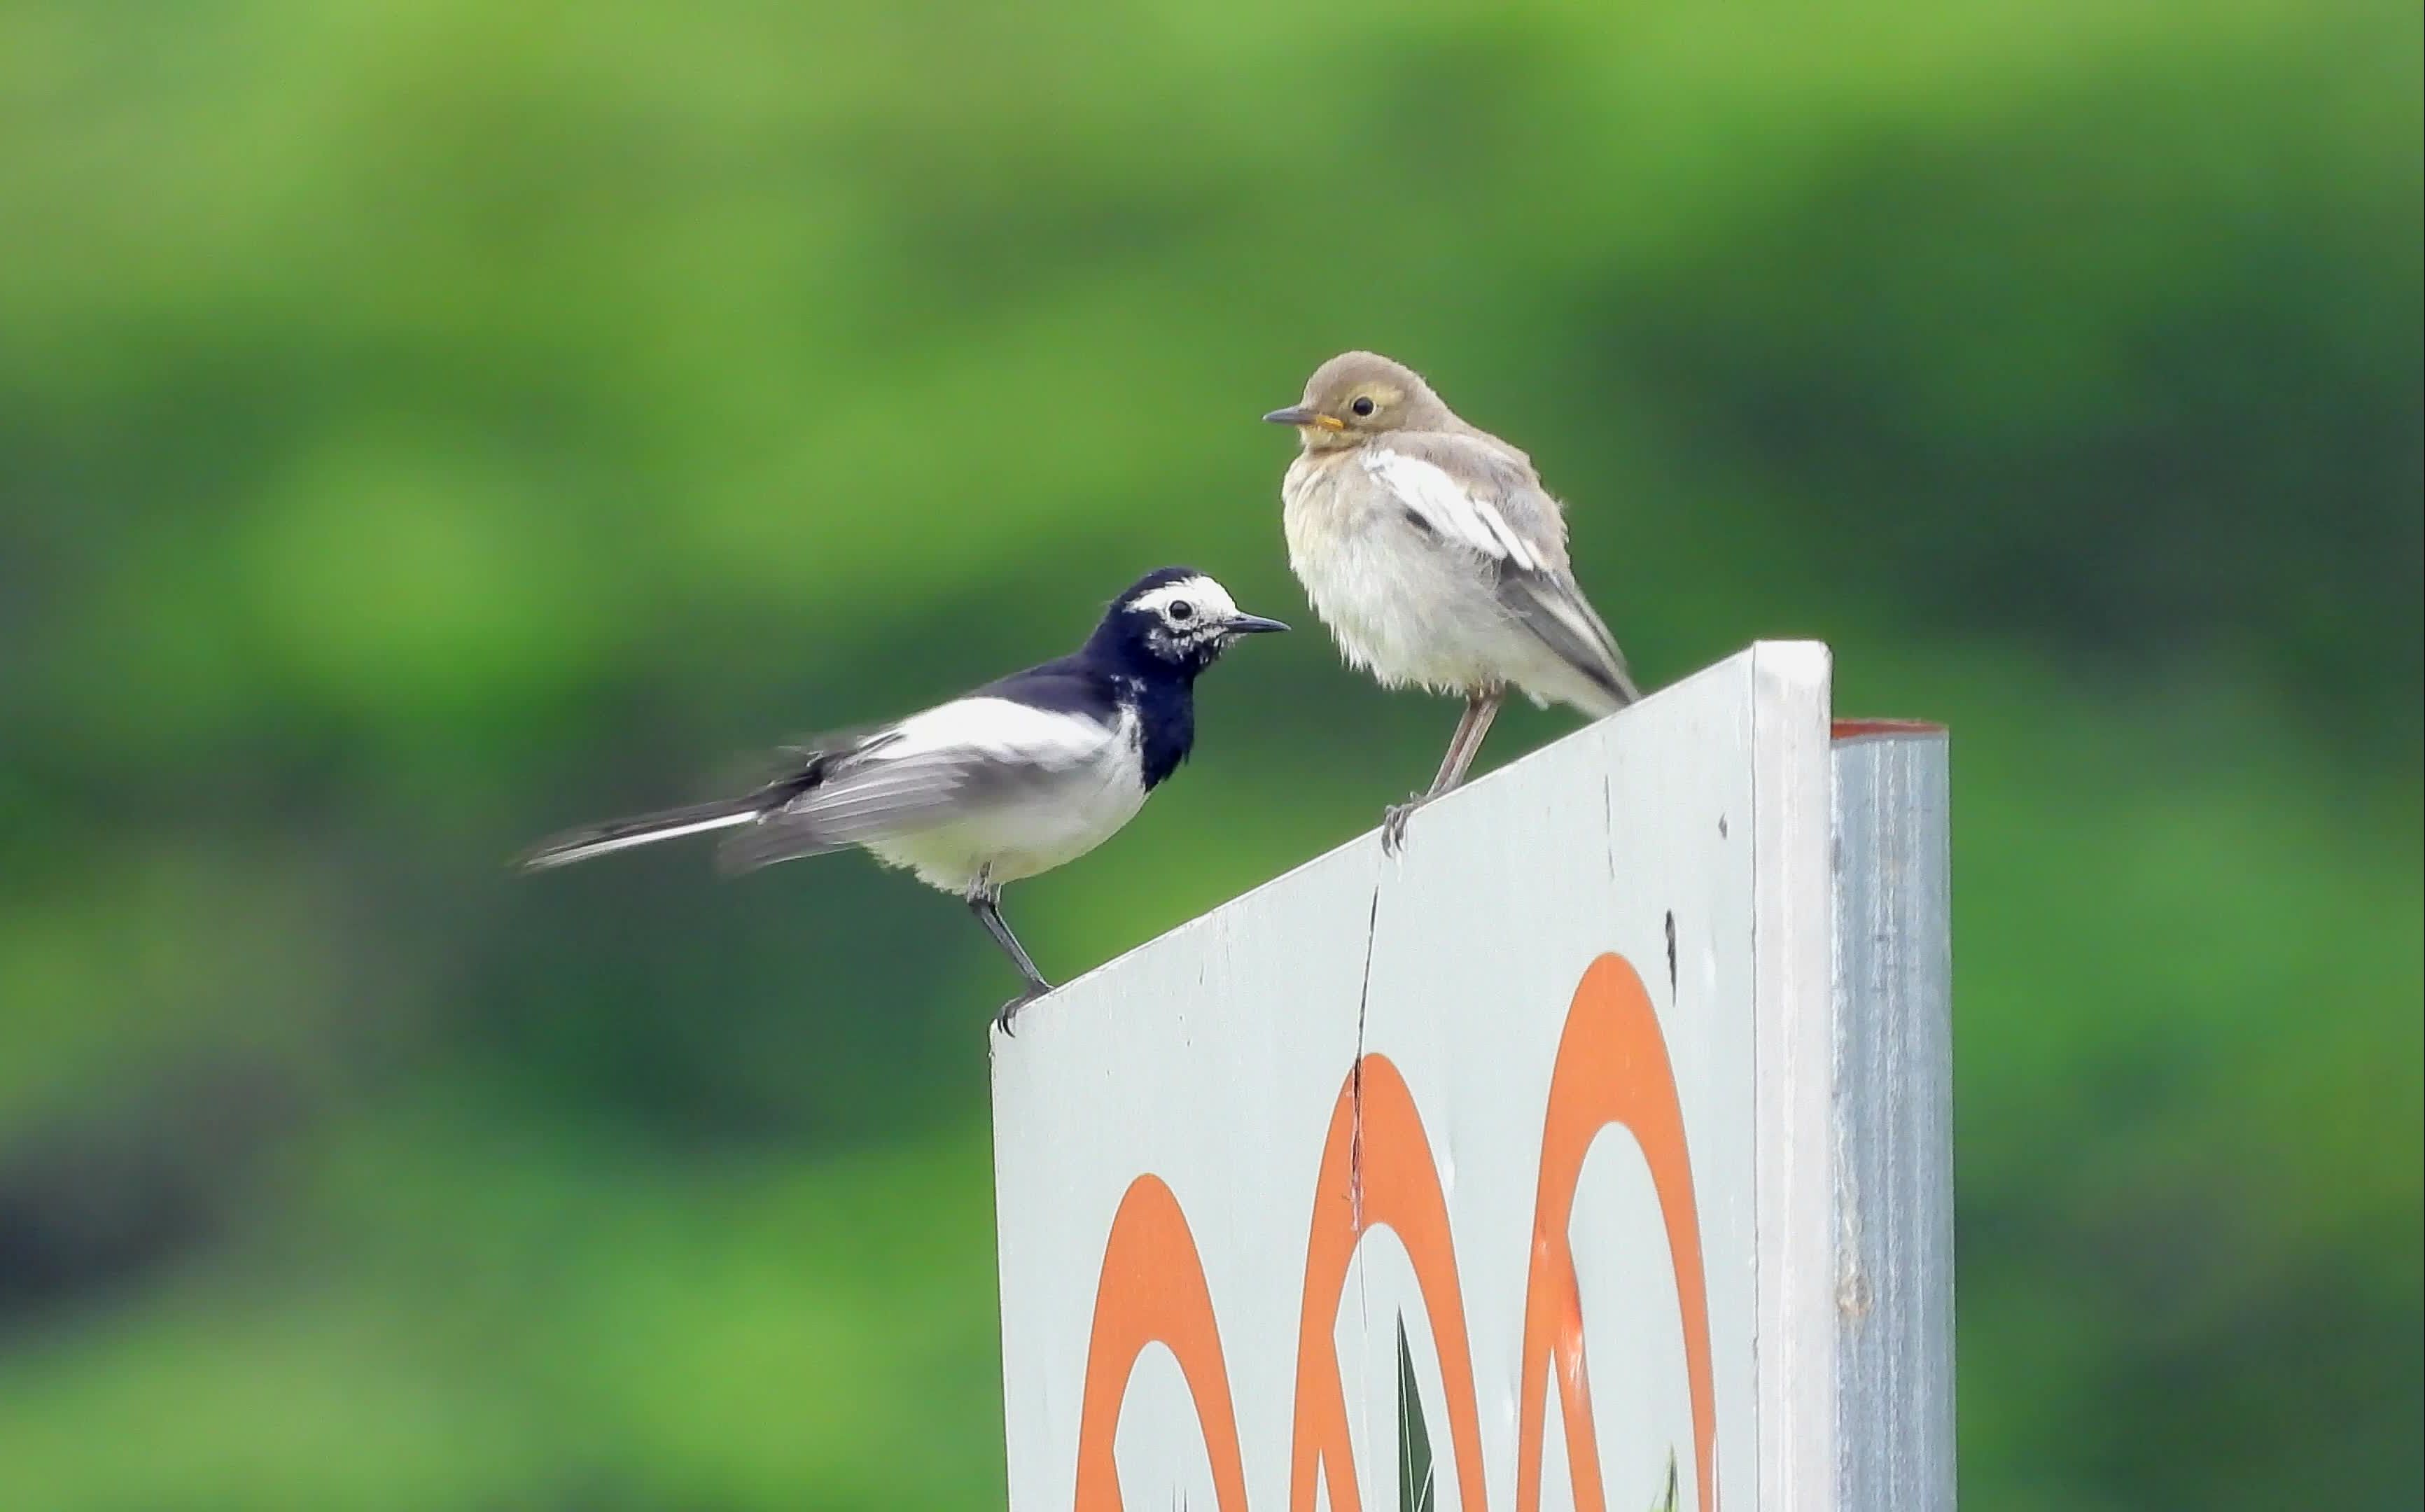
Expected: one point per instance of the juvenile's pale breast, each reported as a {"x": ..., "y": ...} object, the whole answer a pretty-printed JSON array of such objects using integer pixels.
[{"x": 1400, "y": 604}]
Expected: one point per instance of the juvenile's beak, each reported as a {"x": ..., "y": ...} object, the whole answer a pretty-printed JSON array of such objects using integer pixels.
[
  {"x": 1254, "y": 624},
  {"x": 1300, "y": 414}
]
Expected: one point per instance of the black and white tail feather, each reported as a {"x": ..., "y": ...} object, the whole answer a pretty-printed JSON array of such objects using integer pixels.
[
  {"x": 592, "y": 840},
  {"x": 805, "y": 769}
]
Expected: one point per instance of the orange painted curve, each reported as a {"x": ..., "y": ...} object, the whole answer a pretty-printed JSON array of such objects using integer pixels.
[
  {"x": 1152, "y": 1291},
  {"x": 1376, "y": 1173},
  {"x": 1612, "y": 1068}
]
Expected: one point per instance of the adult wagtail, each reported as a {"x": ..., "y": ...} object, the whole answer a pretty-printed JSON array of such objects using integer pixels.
[{"x": 1008, "y": 782}]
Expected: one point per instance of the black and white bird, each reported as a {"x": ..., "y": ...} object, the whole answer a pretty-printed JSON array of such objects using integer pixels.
[
  {"x": 1438, "y": 560},
  {"x": 1005, "y": 783}
]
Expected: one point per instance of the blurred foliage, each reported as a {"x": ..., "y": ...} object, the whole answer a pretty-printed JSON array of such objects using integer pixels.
[{"x": 425, "y": 425}]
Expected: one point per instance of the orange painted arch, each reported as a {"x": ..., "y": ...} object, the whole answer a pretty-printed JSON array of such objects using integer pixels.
[
  {"x": 1398, "y": 1190},
  {"x": 1152, "y": 1291},
  {"x": 1376, "y": 1171}
]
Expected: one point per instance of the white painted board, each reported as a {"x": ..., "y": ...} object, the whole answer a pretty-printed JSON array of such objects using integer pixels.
[{"x": 1533, "y": 1092}]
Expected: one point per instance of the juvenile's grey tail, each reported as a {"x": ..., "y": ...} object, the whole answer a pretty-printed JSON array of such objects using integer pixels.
[
  {"x": 1612, "y": 681},
  {"x": 1553, "y": 608},
  {"x": 1625, "y": 690},
  {"x": 644, "y": 830}
]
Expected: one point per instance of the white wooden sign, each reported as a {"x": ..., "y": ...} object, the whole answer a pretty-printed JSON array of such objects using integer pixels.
[{"x": 1504, "y": 1174}]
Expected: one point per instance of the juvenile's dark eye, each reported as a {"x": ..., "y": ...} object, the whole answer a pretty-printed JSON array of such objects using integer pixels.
[
  {"x": 1181, "y": 610},
  {"x": 1363, "y": 404}
]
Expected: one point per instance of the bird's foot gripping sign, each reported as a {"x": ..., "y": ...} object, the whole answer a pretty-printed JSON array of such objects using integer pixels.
[{"x": 1495, "y": 1175}]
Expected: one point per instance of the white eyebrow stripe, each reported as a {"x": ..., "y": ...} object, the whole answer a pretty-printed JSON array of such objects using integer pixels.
[
  {"x": 1449, "y": 506},
  {"x": 1210, "y": 599}
]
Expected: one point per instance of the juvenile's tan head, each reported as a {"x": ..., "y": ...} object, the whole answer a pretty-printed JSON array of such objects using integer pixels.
[{"x": 1358, "y": 395}]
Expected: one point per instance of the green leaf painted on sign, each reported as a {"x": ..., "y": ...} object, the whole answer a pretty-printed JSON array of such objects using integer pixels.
[
  {"x": 1414, "y": 1433},
  {"x": 1669, "y": 1502}
]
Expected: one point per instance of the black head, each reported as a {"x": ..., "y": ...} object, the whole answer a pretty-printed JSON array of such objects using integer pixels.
[{"x": 1175, "y": 621}]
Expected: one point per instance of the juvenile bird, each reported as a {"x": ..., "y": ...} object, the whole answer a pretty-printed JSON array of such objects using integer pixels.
[
  {"x": 1005, "y": 783},
  {"x": 1436, "y": 558}
]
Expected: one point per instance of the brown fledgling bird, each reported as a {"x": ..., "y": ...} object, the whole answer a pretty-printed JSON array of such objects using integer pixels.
[{"x": 1436, "y": 559}]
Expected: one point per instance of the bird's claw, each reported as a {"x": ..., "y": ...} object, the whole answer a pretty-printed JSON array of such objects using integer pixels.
[
  {"x": 1393, "y": 824},
  {"x": 1010, "y": 1010}
]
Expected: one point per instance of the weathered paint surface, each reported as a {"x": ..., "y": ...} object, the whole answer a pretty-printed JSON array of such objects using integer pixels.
[{"x": 1502, "y": 1097}]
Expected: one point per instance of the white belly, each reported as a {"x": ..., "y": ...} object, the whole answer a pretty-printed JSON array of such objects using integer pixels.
[
  {"x": 1400, "y": 605},
  {"x": 1023, "y": 834}
]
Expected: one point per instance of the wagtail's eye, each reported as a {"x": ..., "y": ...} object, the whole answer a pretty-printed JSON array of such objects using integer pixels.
[
  {"x": 1363, "y": 404},
  {"x": 1182, "y": 611}
]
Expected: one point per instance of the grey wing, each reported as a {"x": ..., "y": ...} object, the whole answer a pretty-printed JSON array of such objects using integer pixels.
[
  {"x": 928, "y": 771},
  {"x": 1480, "y": 499},
  {"x": 862, "y": 799},
  {"x": 1474, "y": 497},
  {"x": 776, "y": 776}
]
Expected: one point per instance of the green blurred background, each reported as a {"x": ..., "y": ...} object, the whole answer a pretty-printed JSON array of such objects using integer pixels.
[{"x": 425, "y": 424}]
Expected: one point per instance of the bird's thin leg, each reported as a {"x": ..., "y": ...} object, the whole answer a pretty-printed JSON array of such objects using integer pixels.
[
  {"x": 985, "y": 904},
  {"x": 1480, "y": 710}
]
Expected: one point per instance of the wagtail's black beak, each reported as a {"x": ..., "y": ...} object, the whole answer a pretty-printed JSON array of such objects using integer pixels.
[
  {"x": 1302, "y": 414},
  {"x": 1254, "y": 624}
]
